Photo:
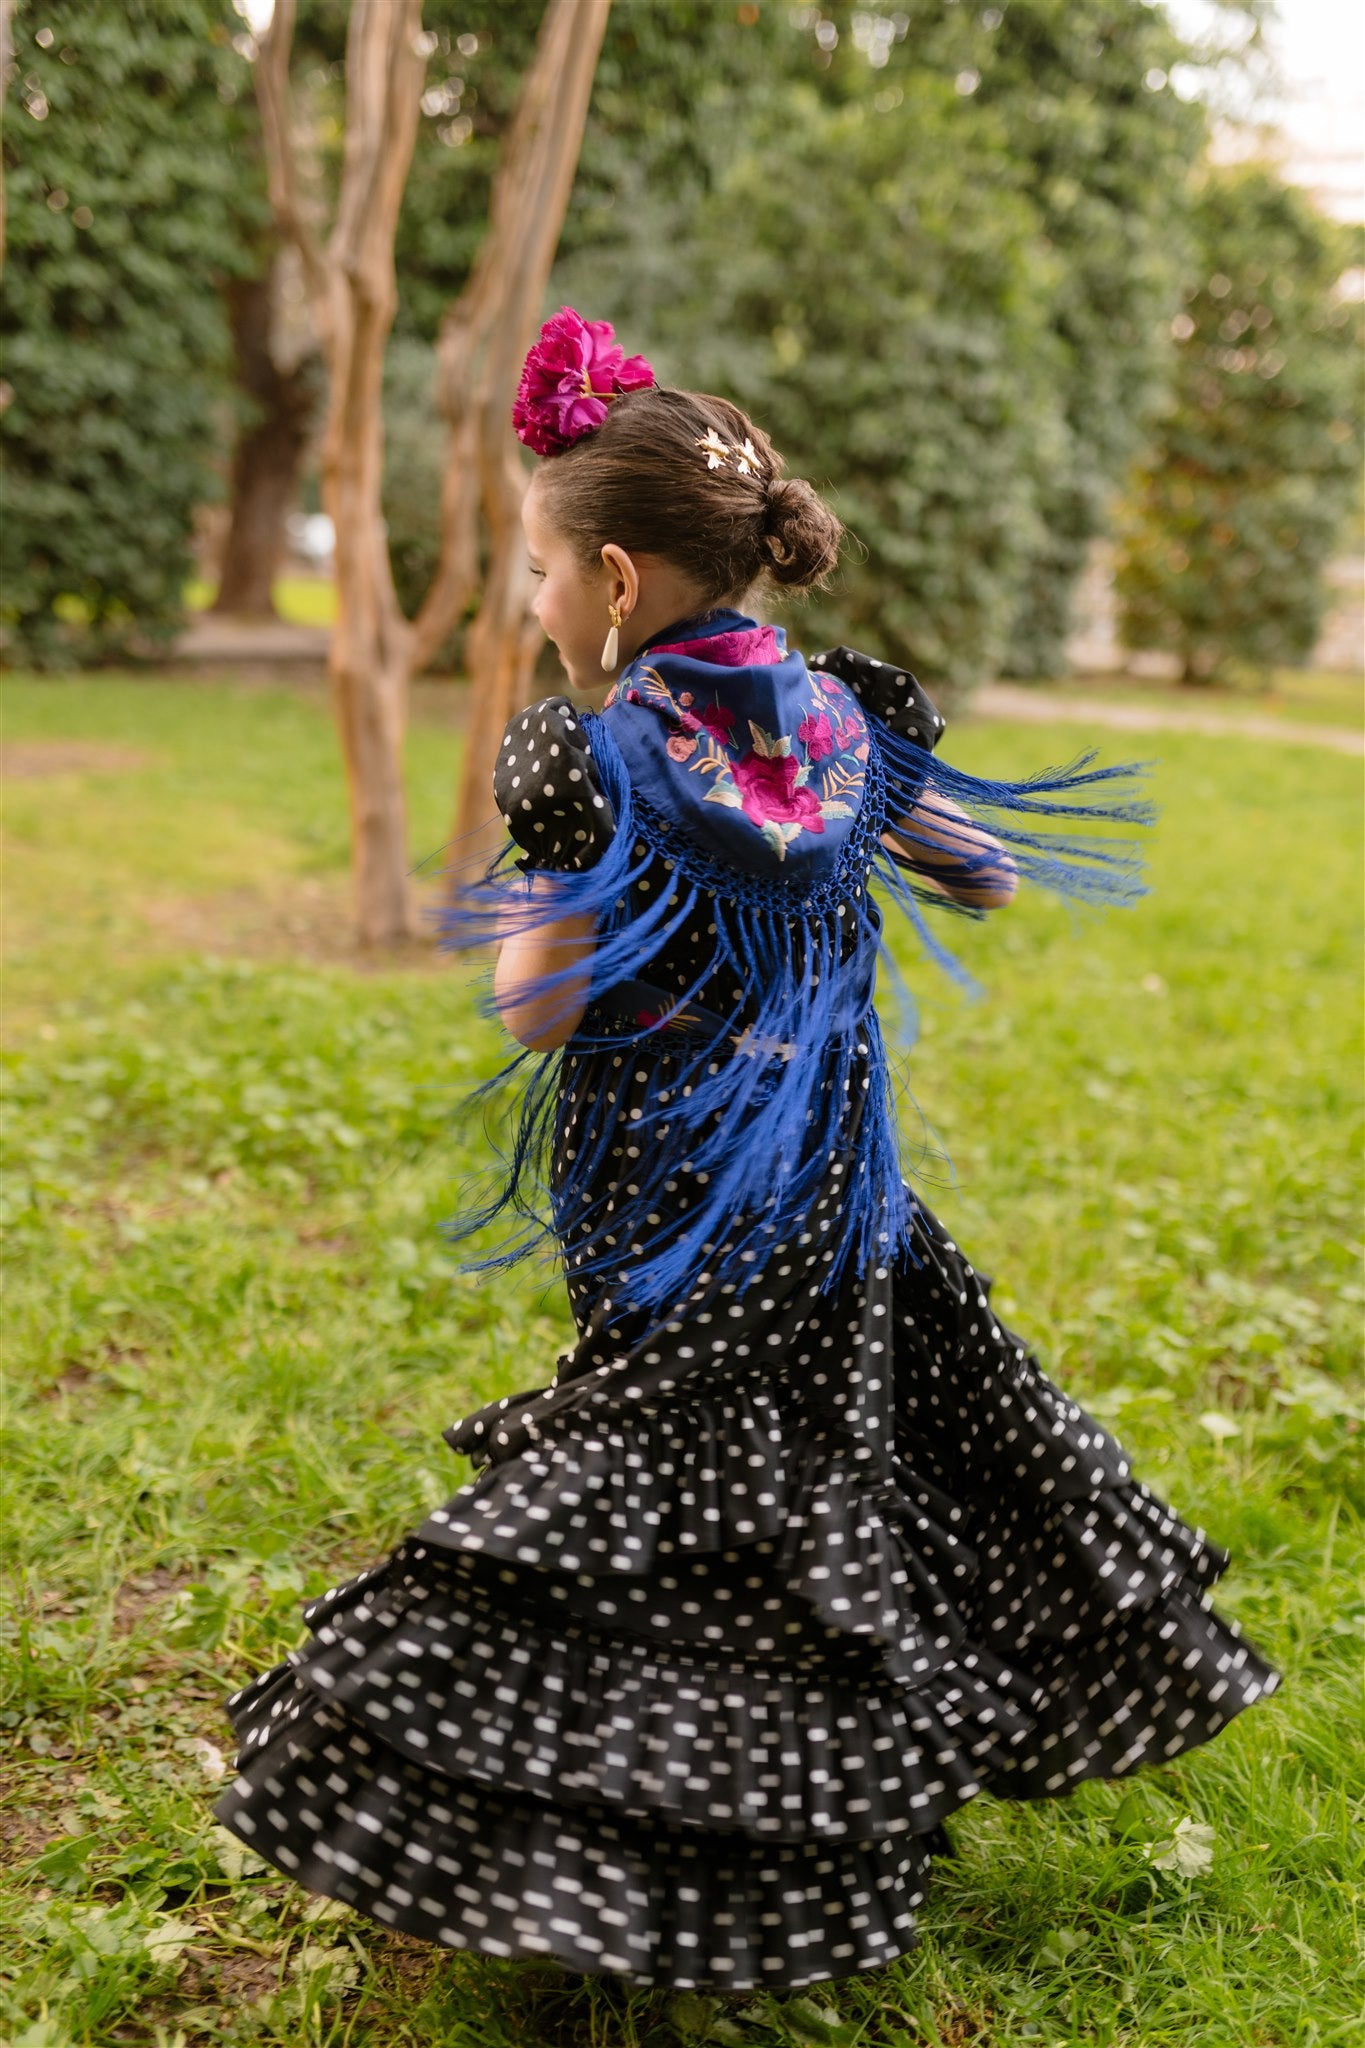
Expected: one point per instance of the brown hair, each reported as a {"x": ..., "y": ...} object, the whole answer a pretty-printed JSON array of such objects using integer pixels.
[{"x": 641, "y": 481}]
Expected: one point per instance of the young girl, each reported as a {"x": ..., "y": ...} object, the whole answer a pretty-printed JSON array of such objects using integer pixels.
[{"x": 798, "y": 1549}]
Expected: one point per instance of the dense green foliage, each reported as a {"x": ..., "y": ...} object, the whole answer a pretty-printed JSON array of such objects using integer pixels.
[
  {"x": 936, "y": 257},
  {"x": 934, "y": 253},
  {"x": 234, "y": 1336},
  {"x": 849, "y": 362},
  {"x": 127, "y": 194},
  {"x": 1255, "y": 468}
]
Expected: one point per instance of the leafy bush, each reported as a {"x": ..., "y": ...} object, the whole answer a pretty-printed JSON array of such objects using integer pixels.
[
  {"x": 124, "y": 198},
  {"x": 934, "y": 253},
  {"x": 918, "y": 388},
  {"x": 1236, "y": 513}
]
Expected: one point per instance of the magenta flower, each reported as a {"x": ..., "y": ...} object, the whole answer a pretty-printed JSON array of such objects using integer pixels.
[
  {"x": 719, "y": 722},
  {"x": 569, "y": 378},
  {"x": 816, "y": 735},
  {"x": 767, "y": 784},
  {"x": 713, "y": 718}
]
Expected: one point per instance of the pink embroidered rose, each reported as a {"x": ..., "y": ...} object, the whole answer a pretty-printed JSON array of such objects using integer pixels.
[
  {"x": 847, "y": 734},
  {"x": 570, "y": 375},
  {"x": 719, "y": 722},
  {"x": 680, "y": 746},
  {"x": 767, "y": 784},
  {"x": 816, "y": 734},
  {"x": 713, "y": 718}
]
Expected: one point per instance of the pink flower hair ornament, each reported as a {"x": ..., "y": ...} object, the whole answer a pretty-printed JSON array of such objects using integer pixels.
[{"x": 570, "y": 376}]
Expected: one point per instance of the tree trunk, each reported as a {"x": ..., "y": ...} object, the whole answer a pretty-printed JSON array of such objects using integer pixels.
[
  {"x": 371, "y": 642},
  {"x": 354, "y": 294},
  {"x": 6, "y": 72},
  {"x": 502, "y": 645},
  {"x": 484, "y": 337},
  {"x": 270, "y": 449}
]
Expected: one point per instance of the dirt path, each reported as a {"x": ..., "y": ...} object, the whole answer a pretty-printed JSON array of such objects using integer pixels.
[
  {"x": 1043, "y": 707},
  {"x": 210, "y": 640}
]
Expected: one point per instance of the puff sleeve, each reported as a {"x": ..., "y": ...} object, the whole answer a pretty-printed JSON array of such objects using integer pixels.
[
  {"x": 891, "y": 694},
  {"x": 547, "y": 788}
]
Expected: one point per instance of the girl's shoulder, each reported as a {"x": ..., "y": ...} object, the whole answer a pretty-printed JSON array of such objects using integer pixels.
[{"x": 886, "y": 692}]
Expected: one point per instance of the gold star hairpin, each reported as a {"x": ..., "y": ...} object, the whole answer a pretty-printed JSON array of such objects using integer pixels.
[{"x": 715, "y": 449}]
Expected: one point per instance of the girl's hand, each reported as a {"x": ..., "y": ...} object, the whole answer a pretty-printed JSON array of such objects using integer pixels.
[{"x": 941, "y": 842}]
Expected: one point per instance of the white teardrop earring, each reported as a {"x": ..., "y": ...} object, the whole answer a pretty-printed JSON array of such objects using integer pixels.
[{"x": 612, "y": 642}]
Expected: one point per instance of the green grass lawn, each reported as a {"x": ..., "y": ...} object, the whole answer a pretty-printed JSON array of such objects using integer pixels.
[
  {"x": 1296, "y": 696},
  {"x": 233, "y": 1335}
]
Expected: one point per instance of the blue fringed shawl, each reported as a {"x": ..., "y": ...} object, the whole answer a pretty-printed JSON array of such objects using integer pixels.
[{"x": 789, "y": 1094}]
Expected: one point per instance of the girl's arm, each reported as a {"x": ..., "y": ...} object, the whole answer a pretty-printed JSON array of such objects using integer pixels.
[
  {"x": 973, "y": 868},
  {"x": 543, "y": 1022}
]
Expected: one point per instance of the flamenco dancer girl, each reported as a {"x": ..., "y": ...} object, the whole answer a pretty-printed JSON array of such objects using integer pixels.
[{"x": 799, "y": 1549}]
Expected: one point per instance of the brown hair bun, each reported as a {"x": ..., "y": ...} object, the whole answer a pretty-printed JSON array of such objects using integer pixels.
[
  {"x": 801, "y": 534},
  {"x": 641, "y": 480}
]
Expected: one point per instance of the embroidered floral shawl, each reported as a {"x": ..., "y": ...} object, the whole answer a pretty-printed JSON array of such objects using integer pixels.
[{"x": 765, "y": 788}]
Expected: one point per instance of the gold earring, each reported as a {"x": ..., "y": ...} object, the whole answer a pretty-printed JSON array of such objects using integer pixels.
[{"x": 612, "y": 641}]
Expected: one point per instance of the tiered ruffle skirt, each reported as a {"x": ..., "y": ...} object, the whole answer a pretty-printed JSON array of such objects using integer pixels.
[{"x": 684, "y": 1684}]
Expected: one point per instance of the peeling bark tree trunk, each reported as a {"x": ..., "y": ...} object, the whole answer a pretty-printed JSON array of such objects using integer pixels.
[
  {"x": 270, "y": 449},
  {"x": 371, "y": 642},
  {"x": 354, "y": 293},
  {"x": 484, "y": 337}
]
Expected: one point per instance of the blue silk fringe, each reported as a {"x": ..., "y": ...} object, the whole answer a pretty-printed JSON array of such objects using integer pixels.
[{"x": 758, "y": 1133}]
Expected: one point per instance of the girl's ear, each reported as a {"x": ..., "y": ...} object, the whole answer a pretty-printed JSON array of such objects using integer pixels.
[{"x": 624, "y": 577}]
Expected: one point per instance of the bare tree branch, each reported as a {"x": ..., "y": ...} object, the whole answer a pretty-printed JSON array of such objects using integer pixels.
[
  {"x": 273, "y": 53},
  {"x": 484, "y": 338}
]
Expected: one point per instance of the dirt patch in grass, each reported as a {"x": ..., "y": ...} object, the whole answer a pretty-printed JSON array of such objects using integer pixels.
[
  {"x": 308, "y": 919},
  {"x": 31, "y": 1799},
  {"x": 210, "y": 1988},
  {"x": 29, "y": 760},
  {"x": 140, "y": 1596},
  {"x": 958, "y": 2027},
  {"x": 72, "y": 1379}
]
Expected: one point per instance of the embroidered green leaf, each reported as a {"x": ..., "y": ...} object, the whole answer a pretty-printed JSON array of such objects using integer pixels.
[
  {"x": 833, "y": 808},
  {"x": 765, "y": 746},
  {"x": 773, "y": 833},
  {"x": 724, "y": 793}
]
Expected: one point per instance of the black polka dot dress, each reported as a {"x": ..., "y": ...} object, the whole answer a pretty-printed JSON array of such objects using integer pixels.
[{"x": 736, "y": 1612}]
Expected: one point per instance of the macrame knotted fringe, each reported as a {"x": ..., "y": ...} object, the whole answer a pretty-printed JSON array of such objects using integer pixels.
[{"x": 790, "y": 1103}]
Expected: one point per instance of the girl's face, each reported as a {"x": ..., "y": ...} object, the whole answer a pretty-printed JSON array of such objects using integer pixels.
[{"x": 571, "y": 601}]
